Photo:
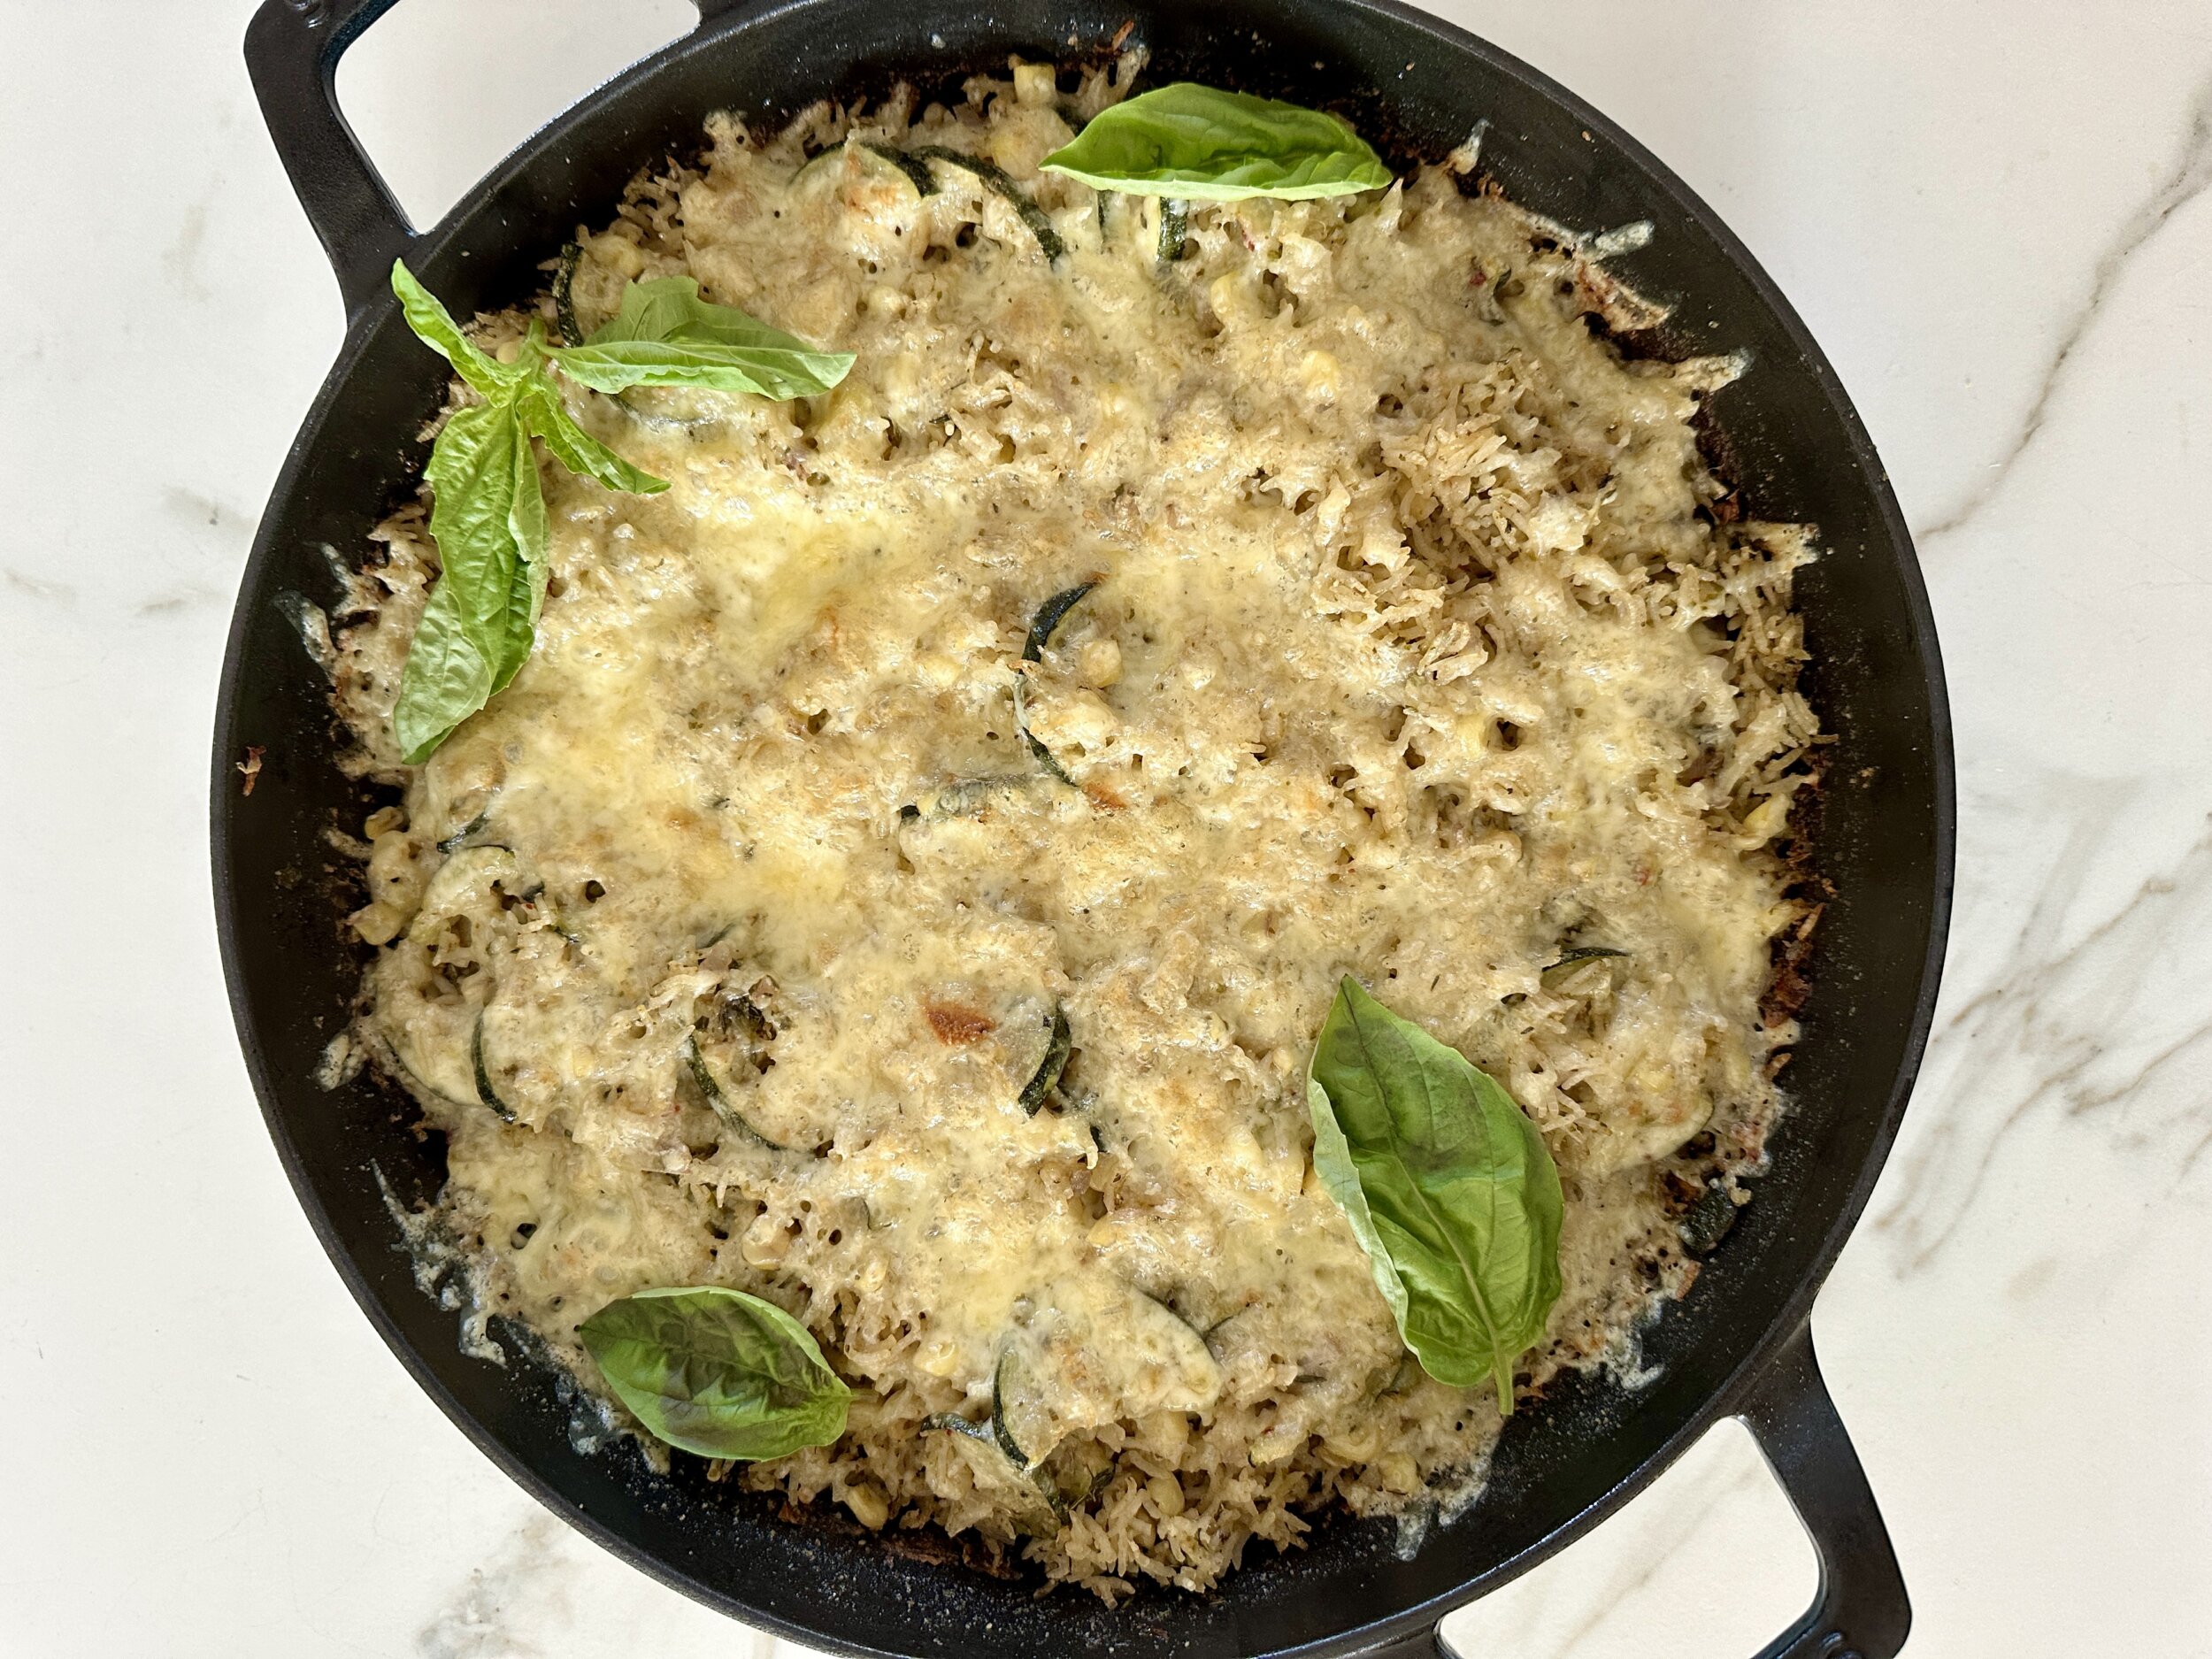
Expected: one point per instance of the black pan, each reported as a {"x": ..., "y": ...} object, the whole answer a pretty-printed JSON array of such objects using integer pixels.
[{"x": 1738, "y": 1345}]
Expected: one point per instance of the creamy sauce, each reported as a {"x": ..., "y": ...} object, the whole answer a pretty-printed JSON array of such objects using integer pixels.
[{"x": 1414, "y": 655}]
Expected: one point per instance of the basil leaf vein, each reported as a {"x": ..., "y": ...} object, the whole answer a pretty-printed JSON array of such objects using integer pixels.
[
  {"x": 1195, "y": 142},
  {"x": 1447, "y": 1186},
  {"x": 716, "y": 1372}
]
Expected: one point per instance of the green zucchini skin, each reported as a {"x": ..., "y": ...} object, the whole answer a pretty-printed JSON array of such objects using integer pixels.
[
  {"x": 1049, "y": 615},
  {"x": 459, "y": 839},
  {"x": 1042, "y": 628},
  {"x": 1582, "y": 953},
  {"x": 485, "y": 1092},
  {"x": 996, "y": 180},
  {"x": 958, "y": 1425},
  {"x": 572, "y": 332},
  {"x": 1174, "y": 228},
  {"x": 912, "y": 166},
  {"x": 1003, "y": 1435},
  {"x": 1047, "y": 1077},
  {"x": 703, "y": 1079},
  {"x": 1043, "y": 756}
]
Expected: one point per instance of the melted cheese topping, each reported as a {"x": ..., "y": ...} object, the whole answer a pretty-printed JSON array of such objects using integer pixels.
[{"x": 1416, "y": 652}]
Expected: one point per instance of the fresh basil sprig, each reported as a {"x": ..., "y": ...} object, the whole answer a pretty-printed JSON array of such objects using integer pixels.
[
  {"x": 487, "y": 510},
  {"x": 716, "y": 1371},
  {"x": 1447, "y": 1185},
  {"x": 1193, "y": 142}
]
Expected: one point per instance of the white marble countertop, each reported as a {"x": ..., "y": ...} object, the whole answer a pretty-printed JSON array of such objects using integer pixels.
[{"x": 1995, "y": 214}]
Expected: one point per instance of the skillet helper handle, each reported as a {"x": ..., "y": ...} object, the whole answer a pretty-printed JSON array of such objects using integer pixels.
[
  {"x": 292, "y": 52},
  {"x": 1861, "y": 1611}
]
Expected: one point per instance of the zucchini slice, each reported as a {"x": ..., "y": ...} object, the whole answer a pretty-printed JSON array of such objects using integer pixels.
[
  {"x": 999, "y": 1431},
  {"x": 956, "y": 1424},
  {"x": 916, "y": 172},
  {"x": 691, "y": 396},
  {"x": 1044, "y": 757},
  {"x": 987, "y": 1433},
  {"x": 485, "y": 1092},
  {"x": 463, "y": 882},
  {"x": 996, "y": 180},
  {"x": 970, "y": 796},
  {"x": 1010, "y": 1369},
  {"x": 413, "y": 1072},
  {"x": 703, "y": 1078},
  {"x": 1047, "y": 1077}
]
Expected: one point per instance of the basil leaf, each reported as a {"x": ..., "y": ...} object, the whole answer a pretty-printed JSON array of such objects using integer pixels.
[
  {"x": 1199, "y": 143},
  {"x": 717, "y": 1372},
  {"x": 435, "y": 327},
  {"x": 487, "y": 515},
  {"x": 527, "y": 525},
  {"x": 666, "y": 335},
  {"x": 544, "y": 416},
  {"x": 448, "y": 678},
  {"x": 489, "y": 512},
  {"x": 1447, "y": 1185}
]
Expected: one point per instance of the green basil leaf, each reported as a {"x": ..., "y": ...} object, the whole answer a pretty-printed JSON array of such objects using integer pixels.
[
  {"x": 1198, "y": 143},
  {"x": 544, "y": 416},
  {"x": 666, "y": 335},
  {"x": 434, "y": 325},
  {"x": 717, "y": 1372},
  {"x": 527, "y": 525},
  {"x": 449, "y": 677},
  {"x": 487, "y": 515},
  {"x": 1447, "y": 1185}
]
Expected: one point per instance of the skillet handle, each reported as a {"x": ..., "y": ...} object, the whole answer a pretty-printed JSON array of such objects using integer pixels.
[
  {"x": 1861, "y": 1611},
  {"x": 292, "y": 52}
]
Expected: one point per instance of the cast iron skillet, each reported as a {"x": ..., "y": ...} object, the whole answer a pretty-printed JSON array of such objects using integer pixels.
[{"x": 1739, "y": 1345}]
